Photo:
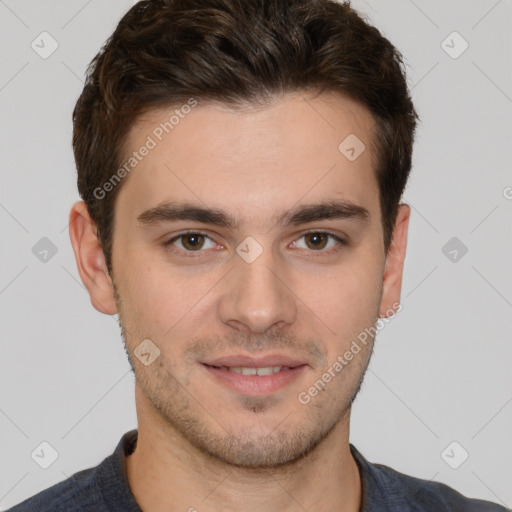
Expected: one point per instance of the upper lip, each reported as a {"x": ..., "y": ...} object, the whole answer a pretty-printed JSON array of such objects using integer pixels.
[{"x": 255, "y": 362}]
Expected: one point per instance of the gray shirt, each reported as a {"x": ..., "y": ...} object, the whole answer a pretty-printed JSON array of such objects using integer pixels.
[{"x": 105, "y": 488}]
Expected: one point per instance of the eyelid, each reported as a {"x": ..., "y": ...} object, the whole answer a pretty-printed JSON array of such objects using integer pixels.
[
  {"x": 188, "y": 232},
  {"x": 324, "y": 231}
]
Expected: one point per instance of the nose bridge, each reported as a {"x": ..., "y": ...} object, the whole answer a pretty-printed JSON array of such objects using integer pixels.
[{"x": 257, "y": 296}]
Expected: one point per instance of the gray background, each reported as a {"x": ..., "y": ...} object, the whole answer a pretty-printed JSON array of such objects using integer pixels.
[{"x": 441, "y": 369}]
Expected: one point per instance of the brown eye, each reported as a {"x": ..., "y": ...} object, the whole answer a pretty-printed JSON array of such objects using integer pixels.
[
  {"x": 316, "y": 240},
  {"x": 192, "y": 241},
  {"x": 322, "y": 242}
]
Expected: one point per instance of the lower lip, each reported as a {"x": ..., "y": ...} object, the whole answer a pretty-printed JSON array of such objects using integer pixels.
[{"x": 255, "y": 385}]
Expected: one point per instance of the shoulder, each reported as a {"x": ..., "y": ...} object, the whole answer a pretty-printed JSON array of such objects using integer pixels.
[
  {"x": 425, "y": 495},
  {"x": 385, "y": 488},
  {"x": 75, "y": 493},
  {"x": 100, "y": 488}
]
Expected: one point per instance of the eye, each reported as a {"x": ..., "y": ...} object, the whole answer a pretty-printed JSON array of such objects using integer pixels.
[
  {"x": 191, "y": 242},
  {"x": 316, "y": 241},
  {"x": 319, "y": 241}
]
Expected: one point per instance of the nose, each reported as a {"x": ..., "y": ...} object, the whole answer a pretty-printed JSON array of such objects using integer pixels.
[{"x": 258, "y": 296}]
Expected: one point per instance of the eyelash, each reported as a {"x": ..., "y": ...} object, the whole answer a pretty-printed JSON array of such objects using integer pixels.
[{"x": 341, "y": 242}]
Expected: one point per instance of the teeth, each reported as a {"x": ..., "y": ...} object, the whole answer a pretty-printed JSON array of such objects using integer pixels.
[{"x": 268, "y": 370}]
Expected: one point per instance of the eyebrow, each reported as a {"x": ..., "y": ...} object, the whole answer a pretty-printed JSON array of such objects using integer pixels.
[{"x": 302, "y": 214}]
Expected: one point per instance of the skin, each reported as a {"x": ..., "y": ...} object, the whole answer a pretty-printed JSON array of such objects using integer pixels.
[{"x": 202, "y": 445}]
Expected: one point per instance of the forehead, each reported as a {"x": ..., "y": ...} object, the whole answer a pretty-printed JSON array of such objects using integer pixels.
[{"x": 252, "y": 159}]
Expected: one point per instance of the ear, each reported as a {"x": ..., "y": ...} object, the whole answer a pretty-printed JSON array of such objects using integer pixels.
[
  {"x": 90, "y": 259},
  {"x": 392, "y": 281}
]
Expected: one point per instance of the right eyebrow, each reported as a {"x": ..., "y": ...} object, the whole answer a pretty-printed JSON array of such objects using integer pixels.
[{"x": 167, "y": 212}]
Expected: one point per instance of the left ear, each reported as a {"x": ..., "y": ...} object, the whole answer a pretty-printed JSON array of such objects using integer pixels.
[{"x": 392, "y": 281}]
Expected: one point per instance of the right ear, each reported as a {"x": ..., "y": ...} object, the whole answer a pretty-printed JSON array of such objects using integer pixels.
[{"x": 90, "y": 259}]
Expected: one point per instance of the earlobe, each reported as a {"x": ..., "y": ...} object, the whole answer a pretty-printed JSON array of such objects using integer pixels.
[
  {"x": 392, "y": 281},
  {"x": 90, "y": 259}
]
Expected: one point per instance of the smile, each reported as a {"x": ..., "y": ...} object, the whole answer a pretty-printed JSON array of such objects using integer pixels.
[
  {"x": 246, "y": 370},
  {"x": 254, "y": 380}
]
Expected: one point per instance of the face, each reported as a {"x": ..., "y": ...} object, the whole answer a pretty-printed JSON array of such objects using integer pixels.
[{"x": 246, "y": 242}]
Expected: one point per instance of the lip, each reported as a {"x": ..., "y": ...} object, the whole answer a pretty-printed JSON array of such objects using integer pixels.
[
  {"x": 255, "y": 362},
  {"x": 255, "y": 385}
]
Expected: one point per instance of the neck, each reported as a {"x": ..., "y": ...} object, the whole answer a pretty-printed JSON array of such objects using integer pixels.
[{"x": 167, "y": 473}]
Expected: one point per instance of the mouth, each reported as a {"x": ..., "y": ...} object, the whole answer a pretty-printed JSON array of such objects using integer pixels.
[
  {"x": 255, "y": 376},
  {"x": 250, "y": 370}
]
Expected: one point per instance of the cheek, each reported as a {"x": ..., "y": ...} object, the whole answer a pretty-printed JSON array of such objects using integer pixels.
[
  {"x": 162, "y": 298},
  {"x": 347, "y": 298}
]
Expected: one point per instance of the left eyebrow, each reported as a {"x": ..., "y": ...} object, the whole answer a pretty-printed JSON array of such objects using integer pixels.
[{"x": 302, "y": 214}]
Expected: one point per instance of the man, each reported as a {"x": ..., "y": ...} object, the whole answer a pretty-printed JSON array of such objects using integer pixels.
[{"x": 241, "y": 165}]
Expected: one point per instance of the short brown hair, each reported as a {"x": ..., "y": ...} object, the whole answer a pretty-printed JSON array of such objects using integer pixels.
[{"x": 163, "y": 52}]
